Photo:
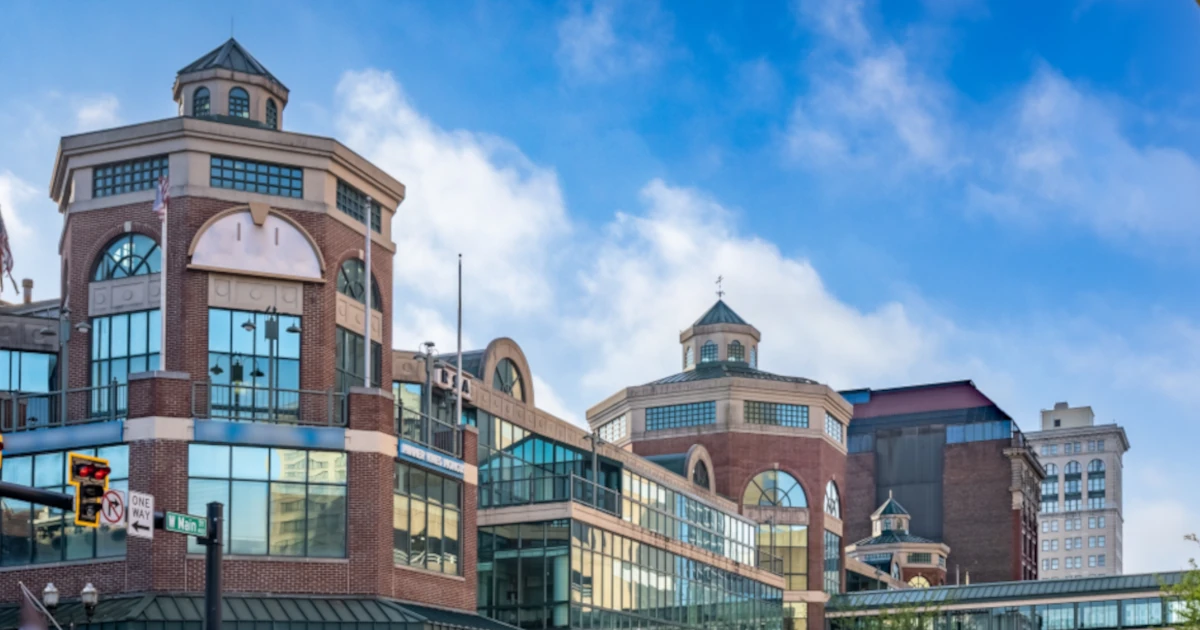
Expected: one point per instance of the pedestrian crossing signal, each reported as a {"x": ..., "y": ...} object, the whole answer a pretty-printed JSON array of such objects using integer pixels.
[{"x": 89, "y": 477}]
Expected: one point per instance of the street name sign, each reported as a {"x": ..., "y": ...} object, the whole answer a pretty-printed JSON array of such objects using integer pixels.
[
  {"x": 186, "y": 524},
  {"x": 141, "y": 515}
]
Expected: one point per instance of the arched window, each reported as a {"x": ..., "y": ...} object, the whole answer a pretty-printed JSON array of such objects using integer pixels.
[
  {"x": 918, "y": 581},
  {"x": 775, "y": 488},
  {"x": 753, "y": 356},
  {"x": 239, "y": 103},
  {"x": 508, "y": 380},
  {"x": 1072, "y": 468},
  {"x": 201, "y": 105},
  {"x": 833, "y": 503},
  {"x": 700, "y": 476},
  {"x": 708, "y": 352},
  {"x": 350, "y": 283},
  {"x": 272, "y": 114},
  {"x": 1095, "y": 466},
  {"x": 128, "y": 255},
  {"x": 737, "y": 352},
  {"x": 1051, "y": 470},
  {"x": 689, "y": 359}
]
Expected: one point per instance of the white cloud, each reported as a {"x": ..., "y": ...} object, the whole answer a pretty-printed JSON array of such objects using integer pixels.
[
  {"x": 549, "y": 401},
  {"x": 34, "y": 243},
  {"x": 868, "y": 106},
  {"x": 1157, "y": 517},
  {"x": 467, "y": 192},
  {"x": 14, "y": 194},
  {"x": 96, "y": 112},
  {"x": 652, "y": 278},
  {"x": 591, "y": 49},
  {"x": 1062, "y": 153}
]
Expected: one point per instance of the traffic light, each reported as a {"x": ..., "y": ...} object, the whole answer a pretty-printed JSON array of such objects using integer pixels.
[{"x": 89, "y": 477}]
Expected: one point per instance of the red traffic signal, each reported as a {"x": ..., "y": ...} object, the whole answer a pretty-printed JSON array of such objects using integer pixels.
[{"x": 88, "y": 470}]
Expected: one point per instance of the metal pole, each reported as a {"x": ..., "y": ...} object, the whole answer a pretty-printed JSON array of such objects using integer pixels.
[
  {"x": 9, "y": 490},
  {"x": 367, "y": 290},
  {"x": 212, "y": 566},
  {"x": 162, "y": 295},
  {"x": 64, "y": 335},
  {"x": 458, "y": 367},
  {"x": 427, "y": 399}
]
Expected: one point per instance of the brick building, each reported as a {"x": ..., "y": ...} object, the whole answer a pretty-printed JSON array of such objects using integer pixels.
[
  {"x": 959, "y": 463},
  {"x": 243, "y": 385},
  {"x": 773, "y": 444}
]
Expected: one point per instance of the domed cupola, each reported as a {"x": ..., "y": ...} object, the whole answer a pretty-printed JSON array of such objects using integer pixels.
[
  {"x": 720, "y": 335},
  {"x": 230, "y": 85},
  {"x": 891, "y": 517}
]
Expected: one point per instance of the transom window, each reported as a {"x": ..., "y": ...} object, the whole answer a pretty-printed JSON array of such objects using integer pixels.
[
  {"x": 685, "y": 415},
  {"x": 127, "y": 256},
  {"x": 278, "y": 502},
  {"x": 918, "y": 581},
  {"x": 775, "y": 488},
  {"x": 351, "y": 282},
  {"x": 708, "y": 352},
  {"x": 777, "y": 414},
  {"x": 737, "y": 352},
  {"x": 259, "y": 177},
  {"x": 129, "y": 176},
  {"x": 353, "y": 202},
  {"x": 272, "y": 114},
  {"x": 833, "y": 502},
  {"x": 201, "y": 103},
  {"x": 507, "y": 379},
  {"x": 239, "y": 103}
]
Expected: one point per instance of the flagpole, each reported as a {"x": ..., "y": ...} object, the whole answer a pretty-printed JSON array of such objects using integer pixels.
[
  {"x": 162, "y": 281},
  {"x": 458, "y": 368},
  {"x": 367, "y": 290}
]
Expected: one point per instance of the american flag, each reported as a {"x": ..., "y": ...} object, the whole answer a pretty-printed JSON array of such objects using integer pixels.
[
  {"x": 162, "y": 197},
  {"x": 6, "y": 257}
]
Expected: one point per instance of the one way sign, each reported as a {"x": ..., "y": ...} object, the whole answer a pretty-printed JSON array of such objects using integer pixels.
[{"x": 141, "y": 515}]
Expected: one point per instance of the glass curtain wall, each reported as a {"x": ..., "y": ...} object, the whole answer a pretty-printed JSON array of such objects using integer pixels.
[
  {"x": 426, "y": 520},
  {"x": 254, "y": 364}
]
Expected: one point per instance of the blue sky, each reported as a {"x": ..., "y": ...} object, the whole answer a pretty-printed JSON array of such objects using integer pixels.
[{"x": 927, "y": 190}]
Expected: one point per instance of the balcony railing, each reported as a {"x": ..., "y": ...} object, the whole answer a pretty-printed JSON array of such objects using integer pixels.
[
  {"x": 24, "y": 411},
  {"x": 268, "y": 404},
  {"x": 426, "y": 430}
]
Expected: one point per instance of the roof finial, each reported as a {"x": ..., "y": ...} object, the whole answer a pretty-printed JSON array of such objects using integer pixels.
[
  {"x": 889, "y": 495},
  {"x": 720, "y": 292}
]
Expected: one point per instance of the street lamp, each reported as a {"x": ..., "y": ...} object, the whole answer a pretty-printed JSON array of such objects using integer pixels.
[
  {"x": 50, "y": 597},
  {"x": 90, "y": 597}
]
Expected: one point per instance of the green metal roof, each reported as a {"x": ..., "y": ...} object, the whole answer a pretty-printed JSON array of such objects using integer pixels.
[
  {"x": 722, "y": 369},
  {"x": 890, "y": 507},
  {"x": 720, "y": 313},
  {"x": 674, "y": 462},
  {"x": 186, "y": 612},
  {"x": 230, "y": 56},
  {"x": 891, "y": 536},
  {"x": 997, "y": 592}
]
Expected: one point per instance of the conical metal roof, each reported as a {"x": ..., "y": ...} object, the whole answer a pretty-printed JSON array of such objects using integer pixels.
[
  {"x": 230, "y": 56},
  {"x": 720, "y": 313}
]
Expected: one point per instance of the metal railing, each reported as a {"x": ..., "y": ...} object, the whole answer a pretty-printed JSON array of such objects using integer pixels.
[
  {"x": 25, "y": 411},
  {"x": 426, "y": 430},
  {"x": 248, "y": 403},
  {"x": 571, "y": 487}
]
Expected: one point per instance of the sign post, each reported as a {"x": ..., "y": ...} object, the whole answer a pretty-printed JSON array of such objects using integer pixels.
[
  {"x": 212, "y": 561},
  {"x": 141, "y": 515}
]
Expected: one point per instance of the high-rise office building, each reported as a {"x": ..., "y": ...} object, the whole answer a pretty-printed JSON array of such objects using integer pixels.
[{"x": 1080, "y": 520}]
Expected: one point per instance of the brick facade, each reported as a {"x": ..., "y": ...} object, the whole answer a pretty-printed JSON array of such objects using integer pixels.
[{"x": 979, "y": 515}]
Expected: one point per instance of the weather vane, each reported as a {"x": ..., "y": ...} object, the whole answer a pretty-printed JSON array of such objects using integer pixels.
[{"x": 720, "y": 291}]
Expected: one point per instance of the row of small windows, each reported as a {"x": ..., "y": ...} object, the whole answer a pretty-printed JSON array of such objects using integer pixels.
[
  {"x": 129, "y": 176},
  {"x": 1076, "y": 562},
  {"x": 353, "y": 201},
  {"x": 1093, "y": 446},
  {"x": 239, "y": 105},
  {"x": 685, "y": 415},
  {"x": 835, "y": 428},
  {"x": 614, "y": 429},
  {"x": 1051, "y": 544},
  {"x": 775, "y": 414},
  {"x": 1073, "y": 524},
  {"x": 709, "y": 352},
  {"x": 260, "y": 177}
]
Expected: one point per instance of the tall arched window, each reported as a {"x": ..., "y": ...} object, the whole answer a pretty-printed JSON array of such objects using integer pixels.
[
  {"x": 833, "y": 503},
  {"x": 1072, "y": 468},
  {"x": 708, "y": 352},
  {"x": 700, "y": 476},
  {"x": 737, "y": 352},
  {"x": 1095, "y": 466},
  {"x": 774, "y": 488},
  {"x": 507, "y": 379},
  {"x": 689, "y": 359},
  {"x": 201, "y": 104},
  {"x": 351, "y": 283},
  {"x": 272, "y": 114},
  {"x": 128, "y": 255},
  {"x": 239, "y": 103},
  {"x": 1051, "y": 470}
]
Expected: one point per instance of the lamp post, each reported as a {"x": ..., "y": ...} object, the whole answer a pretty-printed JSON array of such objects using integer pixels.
[
  {"x": 90, "y": 597},
  {"x": 50, "y": 597}
]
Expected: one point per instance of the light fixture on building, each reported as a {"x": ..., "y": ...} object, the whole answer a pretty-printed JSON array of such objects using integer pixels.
[
  {"x": 90, "y": 597},
  {"x": 248, "y": 326},
  {"x": 83, "y": 327},
  {"x": 50, "y": 597},
  {"x": 216, "y": 370},
  {"x": 294, "y": 329}
]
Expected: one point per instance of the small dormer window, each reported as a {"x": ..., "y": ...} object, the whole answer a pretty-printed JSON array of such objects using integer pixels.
[
  {"x": 272, "y": 114},
  {"x": 689, "y": 358},
  {"x": 708, "y": 352},
  {"x": 737, "y": 352},
  {"x": 201, "y": 105},
  {"x": 239, "y": 103}
]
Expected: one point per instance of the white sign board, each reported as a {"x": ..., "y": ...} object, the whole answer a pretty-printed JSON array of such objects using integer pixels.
[
  {"x": 141, "y": 515},
  {"x": 112, "y": 508}
]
